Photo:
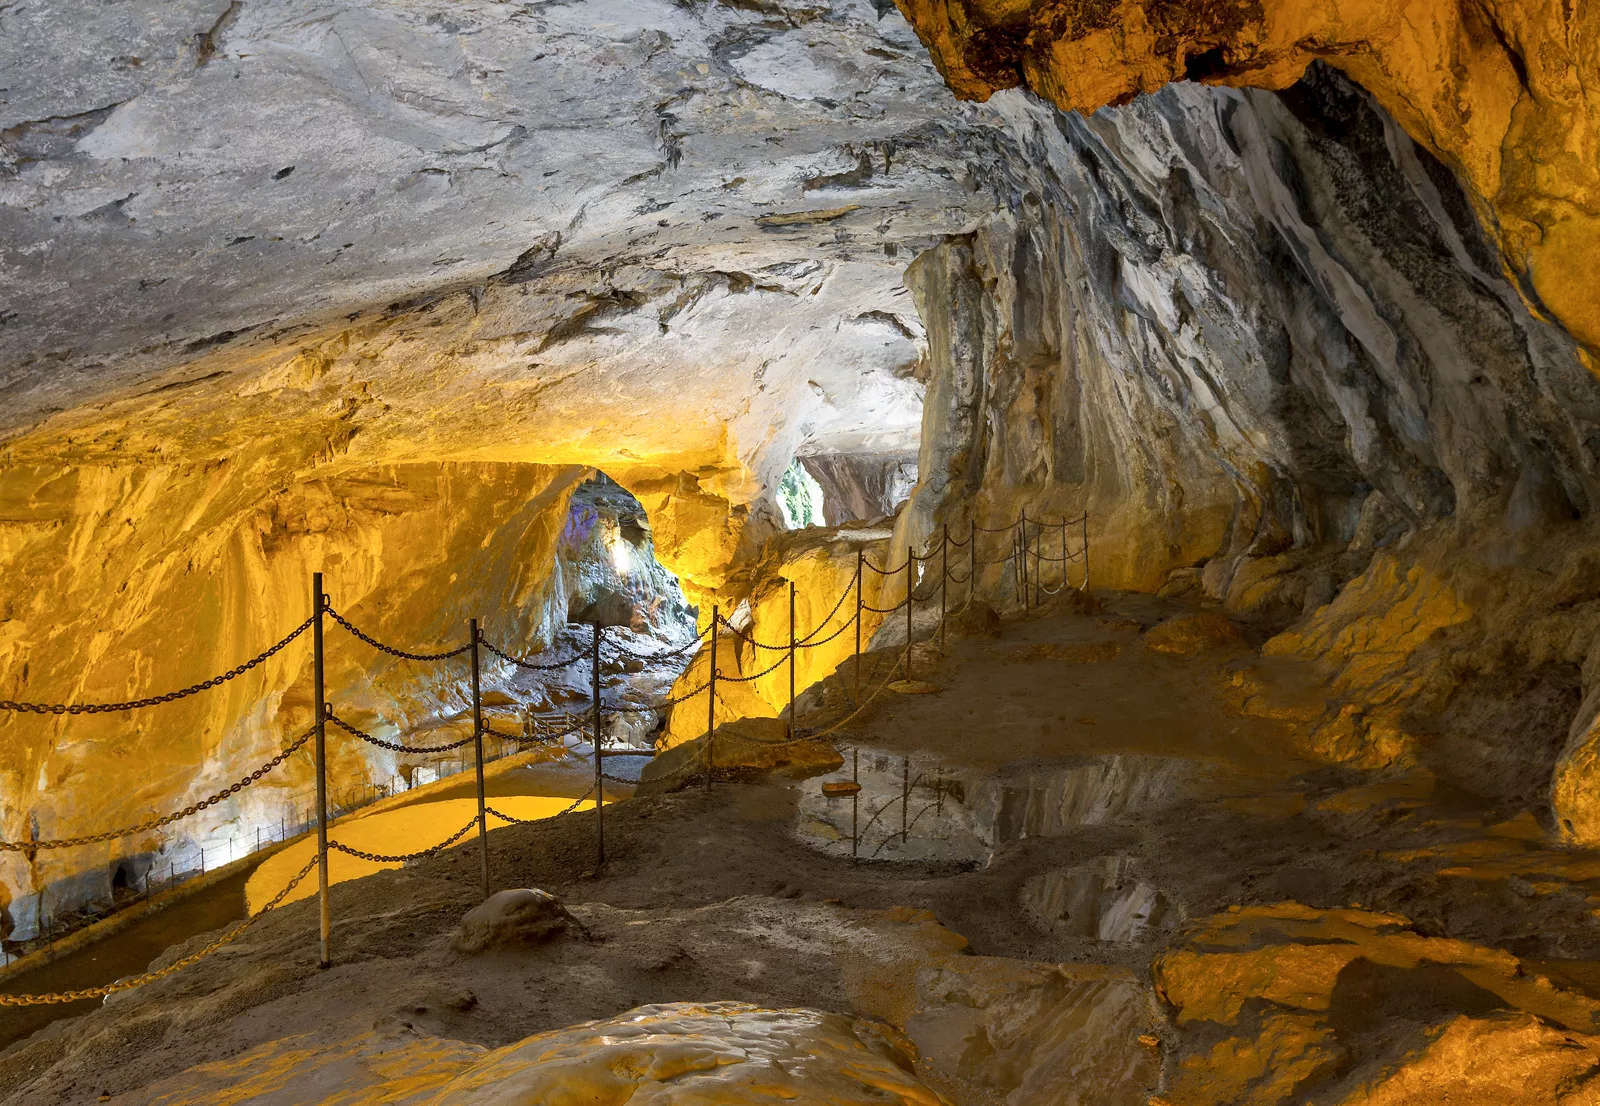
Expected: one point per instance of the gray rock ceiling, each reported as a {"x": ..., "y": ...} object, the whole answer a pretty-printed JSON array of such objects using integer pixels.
[{"x": 697, "y": 197}]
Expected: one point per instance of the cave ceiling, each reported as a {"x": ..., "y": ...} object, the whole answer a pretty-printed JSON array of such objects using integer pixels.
[{"x": 624, "y": 233}]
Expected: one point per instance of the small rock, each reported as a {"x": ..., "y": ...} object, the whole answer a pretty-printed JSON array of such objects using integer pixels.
[
  {"x": 976, "y": 619},
  {"x": 498, "y": 699},
  {"x": 508, "y": 919},
  {"x": 1190, "y": 634}
]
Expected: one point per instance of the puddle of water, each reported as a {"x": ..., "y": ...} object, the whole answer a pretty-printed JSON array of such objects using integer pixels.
[
  {"x": 921, "y": 809},
  {"x": 1103, "y": 901}
]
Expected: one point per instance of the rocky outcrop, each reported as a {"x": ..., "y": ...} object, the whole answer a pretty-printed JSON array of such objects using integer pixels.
[
  {"x": 1505, "y": 93},
  {"x": 1261, "y": 338}
]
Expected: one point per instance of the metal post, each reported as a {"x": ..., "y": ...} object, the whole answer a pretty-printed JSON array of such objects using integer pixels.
[
  {"x": 855, "y": 802},
  {"x": 1022, "y": 558},
  {"x": 1066, "y": 561},
  {"x": 910, "y": 561},
  {"x": 791, "y": 658},
  {"x": 905, "y": 798},
  {"x": 944, "y": 582},
  {"x": 318, "y": 694},
  {"x": 477, "y": 746},
  {"x": 711, "y": 699},
  {"x": 599, "y": 780},
  {"x": 1086, "y": 551},
  {"x": 972, "y": 561},
  {"x": 1038, "y": 569},
  {"x": 860, "y": 556}
]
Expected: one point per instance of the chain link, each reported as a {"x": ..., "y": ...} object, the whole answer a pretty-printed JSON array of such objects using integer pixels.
[
  {"x": 128, "y": 984},
  {"x": 664, "y": 704},
  {"x": 777, "y": 664},
  {"x": 168, "y": 697},
  {"x": 684, "y": 648},
  {"x": 165, "y": 819},
  {"x": 369, "y": 739},
  {"x": 381, "y": 858},
  {"x": 576, "y": 803},
  {"x": 391, "y": 650},
  {"x": 529, "y": 665}
]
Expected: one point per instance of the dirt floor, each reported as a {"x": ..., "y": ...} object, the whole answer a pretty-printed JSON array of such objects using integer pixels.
[{"x": 1110, "y": 836}]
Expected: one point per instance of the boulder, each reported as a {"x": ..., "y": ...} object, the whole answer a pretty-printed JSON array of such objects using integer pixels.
[
  {"x": 742, "y": 748},
  {"x": 976, "y": 619},
  {"x": 512, "y": 919},
  {"x": 1191, "y": 634}
]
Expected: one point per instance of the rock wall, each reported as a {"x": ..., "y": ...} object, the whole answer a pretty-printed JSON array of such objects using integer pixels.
[
  {"x": 1506, "y": 93},
  {"x": 1261, "y": 337},
  {"x": 124, "y": 582}
]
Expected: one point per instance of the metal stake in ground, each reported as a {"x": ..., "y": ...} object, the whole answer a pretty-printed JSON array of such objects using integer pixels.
[
  {"x": 711, "y": 699},
  {"x": 911, "y": 560},
  {"x": 599, "y": 780},
  {"x": 855, "y": 802},
  {"x": 1022, "y": 558},
  {"x": 944, "y": 582},
  {"x": 1086, "y": 551},
  {"x": 860, "y": 555},
  {"x": 477, "y": 745},
  {"x": 972, "y": 561},
  {"x": 318, "y": 604},
  {"x": 791, "y": 659}
]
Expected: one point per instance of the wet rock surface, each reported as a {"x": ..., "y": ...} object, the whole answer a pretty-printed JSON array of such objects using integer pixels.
[
  {"x": 1050, "y": 962},
  {"x": 506, "y": 919}
]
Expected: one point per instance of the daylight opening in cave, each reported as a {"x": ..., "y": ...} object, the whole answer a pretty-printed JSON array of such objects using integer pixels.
[{"x": 941, "y": 551}]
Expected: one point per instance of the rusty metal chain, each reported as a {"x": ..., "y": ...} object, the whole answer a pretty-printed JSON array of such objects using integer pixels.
[
  {"x": 684, "y": 648},
  {"x": 664, "y": 704},
  {"x": 800, "y": 643},
  {"x": 167, "y": 697},
  {"x": 382, "y": 744},
  {"x": 129, "y": 983},
  {"x": 777, "y": 664},
  {"x": 883, "y": 571},
  {"x": 381, "y": 858},
  {"x": 165, "y": 819},
  {"x": 529, "y": 665},
  {"x": 390, "y": 649},
  {"x": 576, "y": 803}
]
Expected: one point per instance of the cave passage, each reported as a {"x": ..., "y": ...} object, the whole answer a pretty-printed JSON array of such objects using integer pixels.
[{"x": 1022, "y": 554}]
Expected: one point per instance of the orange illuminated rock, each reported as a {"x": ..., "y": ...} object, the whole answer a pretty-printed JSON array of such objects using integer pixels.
[
  {"x": 1191, "y": 634},
  {"x": 1503, "y": 92}
]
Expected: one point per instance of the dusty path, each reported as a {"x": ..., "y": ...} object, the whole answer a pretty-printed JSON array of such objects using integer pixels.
[{"x": 1095, "y": 800}]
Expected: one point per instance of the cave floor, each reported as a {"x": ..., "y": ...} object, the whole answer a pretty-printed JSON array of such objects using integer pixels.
[{"x": 1150, "y": 882}]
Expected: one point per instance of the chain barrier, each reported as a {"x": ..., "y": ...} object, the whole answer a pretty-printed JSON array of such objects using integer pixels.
[
  {"x": 664, "y": 704},
  {"x": 382, "y": 744},
  {"x": 400, "y": 858},
  {"x": 168, "y": 697},
  {"x": 701, "y": 762},
  {"x": 165, "y": 819},
  {"x": 390, "y": 649},
  {"x": 576, "y": 803},
  {"x": 529, "y": 665},
  {"x": 693, "y": 643},
  {"x": 130, "y": 982}
]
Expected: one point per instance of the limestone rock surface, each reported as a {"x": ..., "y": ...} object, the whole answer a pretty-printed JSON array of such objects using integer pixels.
[
  {"x": 510, "y": 919},
  {"x": 1507, "y": 93}
]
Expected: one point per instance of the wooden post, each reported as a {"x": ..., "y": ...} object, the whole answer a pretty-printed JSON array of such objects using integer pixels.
[
  {"x": 791, "y": 658},
  {"x": 477, "y": 746},
  {"x": 711, "y": 699},
  {"x": 319, "y": 696},
  {"x": 860, "y": 556},
  {"x": 599, "y": 780}
]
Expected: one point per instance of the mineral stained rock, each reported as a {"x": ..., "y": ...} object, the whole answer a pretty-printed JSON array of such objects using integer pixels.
[
  {"x": 1506, "y": 93},
  {"x": 511, "y": 919}
]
